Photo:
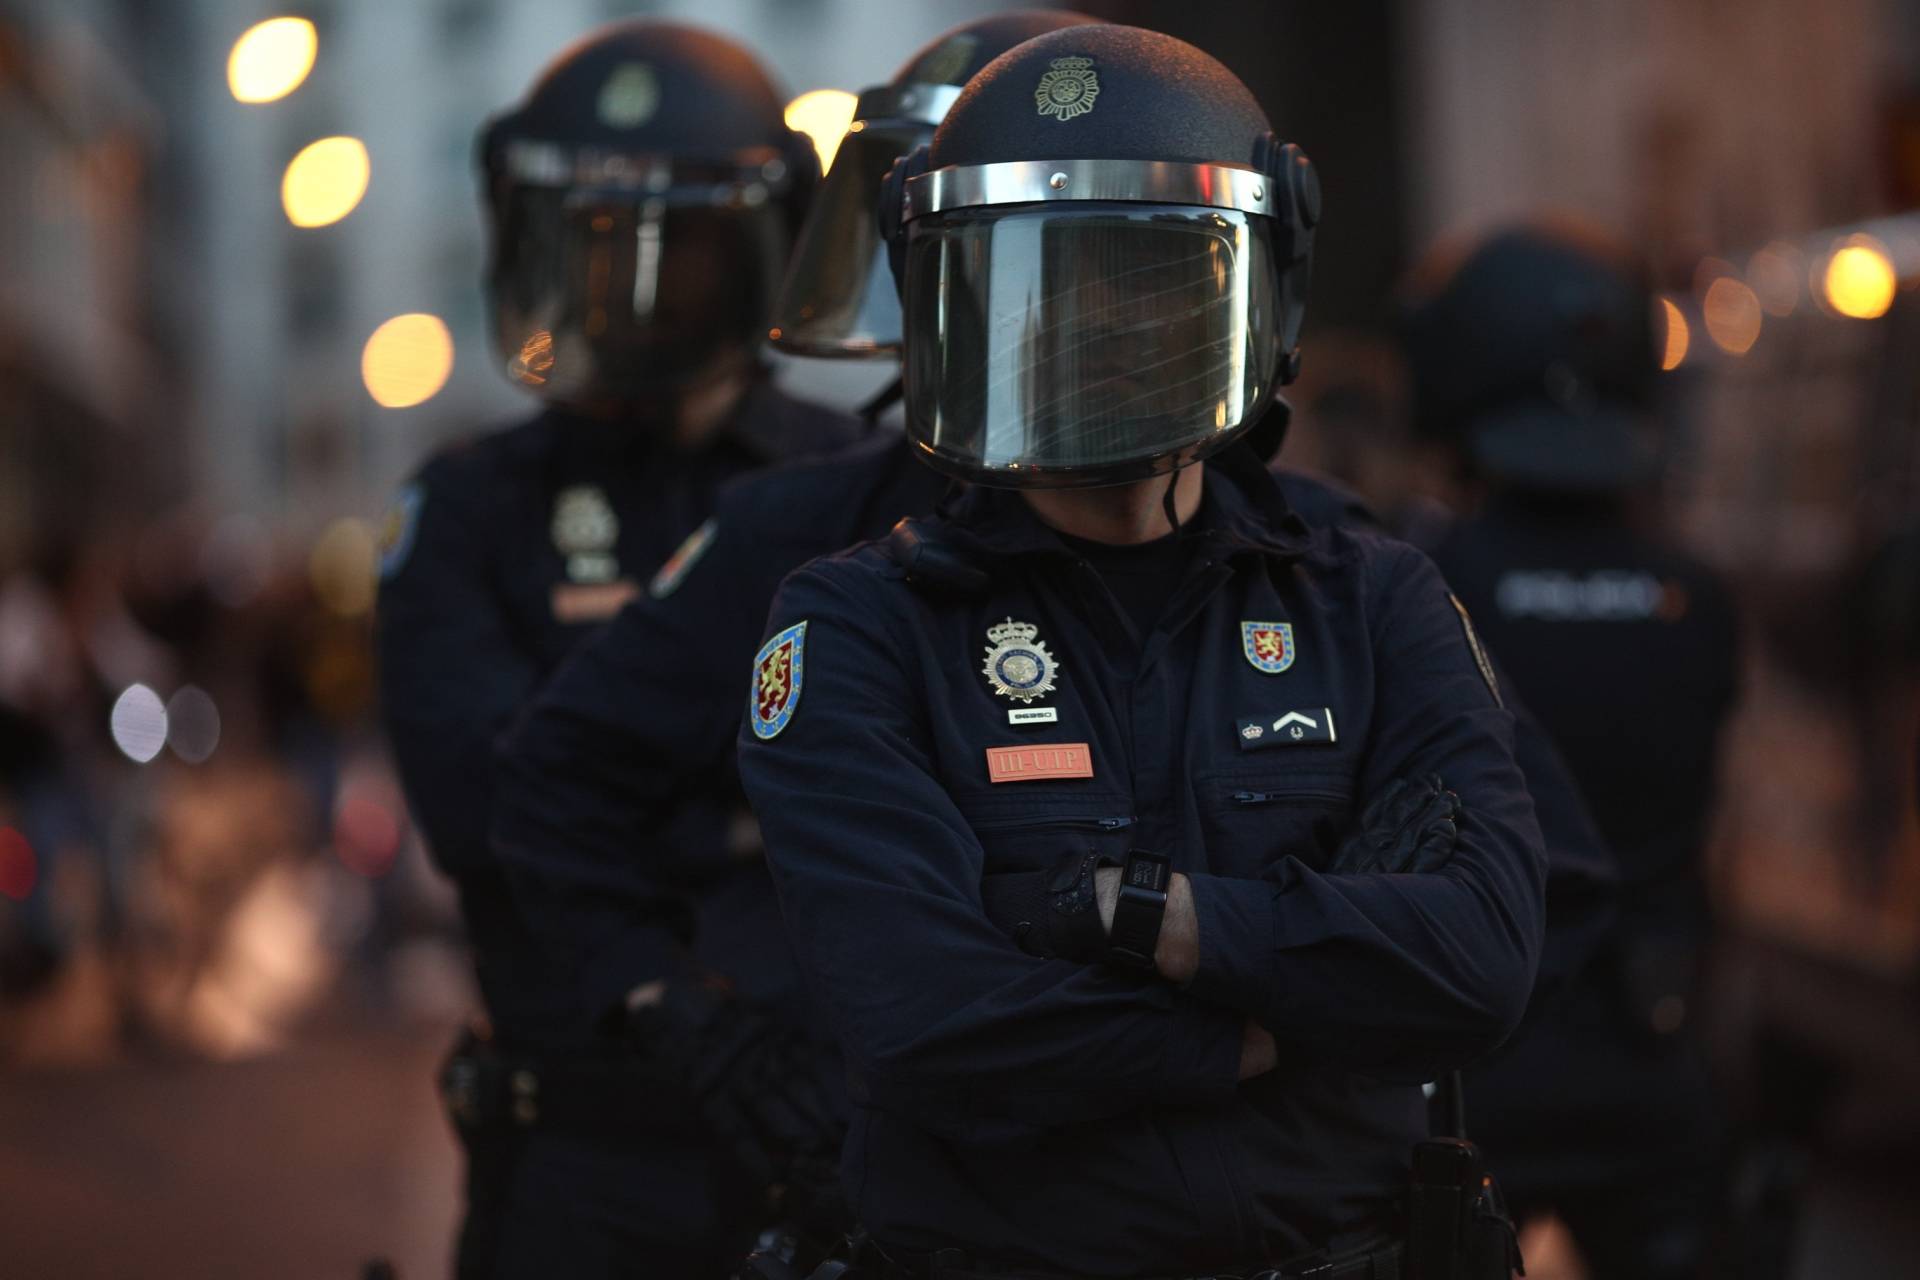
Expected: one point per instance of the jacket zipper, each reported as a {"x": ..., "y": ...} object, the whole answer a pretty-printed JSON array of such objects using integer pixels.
[
  {"x": 1029, "y": 824},
  {"x": 1251, "y": 798}
]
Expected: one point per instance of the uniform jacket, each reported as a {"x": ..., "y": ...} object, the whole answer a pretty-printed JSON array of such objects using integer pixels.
[
  {"x": 1052, "y": 1114},
  {"x": 500, "y": 556}
]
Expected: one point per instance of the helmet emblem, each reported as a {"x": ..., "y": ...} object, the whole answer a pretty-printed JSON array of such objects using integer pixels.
[
  {"x": 630, "y": 96},
  {"x": 1068, "y": 90}
]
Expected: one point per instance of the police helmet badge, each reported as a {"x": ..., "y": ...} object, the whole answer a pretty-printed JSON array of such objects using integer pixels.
[
  {"x": 585, "y": 531},
  {"x": 1068, "y": 90},
  {"x": 1018, "y": 664},
  {"x": 779, "y": 670},
  {"x": 1268, "y": 645},
  {"x": 397, "y": 529},
  {"x": 630, "y": 96}
]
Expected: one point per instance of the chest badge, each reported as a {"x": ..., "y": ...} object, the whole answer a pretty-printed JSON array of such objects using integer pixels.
[
  {"x": 585, "y": 531},
  {"x": 779, "y": 670},
  {"x": 1018, "y": 665},
  {"x": 1268, "y": 645}
]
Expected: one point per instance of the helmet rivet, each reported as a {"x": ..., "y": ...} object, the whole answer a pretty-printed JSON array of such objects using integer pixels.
[
  {"x": 1058, "y": 182},
  {"x": 1259, "y": 192},
  {"x": 909, "y": 99}
]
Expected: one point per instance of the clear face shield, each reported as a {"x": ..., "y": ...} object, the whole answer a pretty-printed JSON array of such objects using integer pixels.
[
  {"x": 616, "y": 278},
  {"x": 839, "y": 297},
  {"x": 1086, "y": 342}
]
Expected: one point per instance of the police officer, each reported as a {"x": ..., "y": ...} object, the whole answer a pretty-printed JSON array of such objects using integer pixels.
[
  {"x": 1197, "y": 1049},
  {"x": 1532, "y": 357},
  {"x": 641, "y": 201}
]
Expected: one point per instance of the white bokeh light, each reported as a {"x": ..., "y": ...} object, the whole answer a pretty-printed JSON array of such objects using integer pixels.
[
  {"x": 193, "y": 724},
  {"x": 139, "y": 723}
]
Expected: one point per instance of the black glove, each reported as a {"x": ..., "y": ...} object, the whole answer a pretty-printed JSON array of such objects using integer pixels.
[
  {"x": 1050, "y": 914},
  {"x": 1412, "y": 827},
  {"x": 756, "y": 1086}
]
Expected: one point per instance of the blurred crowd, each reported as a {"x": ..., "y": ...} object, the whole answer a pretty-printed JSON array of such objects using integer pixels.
[{"x": 201, "y": 844}]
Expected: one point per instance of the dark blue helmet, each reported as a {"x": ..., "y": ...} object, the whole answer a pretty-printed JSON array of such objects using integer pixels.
[
  {"x": 642, "y": 197},
  {"x": 1532, "y": 353},
  {"x": 839, "y": 299},
  {"x": 1103, "y": 259}
]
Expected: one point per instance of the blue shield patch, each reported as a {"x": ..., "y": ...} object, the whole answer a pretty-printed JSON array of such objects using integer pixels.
[
  {"x": 1268, "y": 645},
  {"x": 779, "y": 669},
  {"x": 397, "y": 529}
]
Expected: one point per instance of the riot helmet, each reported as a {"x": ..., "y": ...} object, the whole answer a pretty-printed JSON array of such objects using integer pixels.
[
  {"x": 642, "y": 200},
  {"x": 1531, "y": 353},
  {"x": 1103, "y": 259},
  {"x": 839, "y": 298}
]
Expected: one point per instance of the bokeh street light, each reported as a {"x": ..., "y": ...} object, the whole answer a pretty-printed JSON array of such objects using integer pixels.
[
  {"x": 823, "y": 115},
  {"x": 1676, "y": 337},
  {"x": 325, "y": 181},
  {"x": 1732, "y": 313},
  {"x": 1860, "y": 280},
  {"x": 271, "y": 59},
  {"x": 407, "y": 360}
]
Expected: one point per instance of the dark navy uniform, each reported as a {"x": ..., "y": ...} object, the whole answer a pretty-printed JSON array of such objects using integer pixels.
[
  {"x": 636, "y": 729},
  {"x": 1532, "y": 359},
  {"x": 1049, "y": 1114},
  {"x": 505, "y": 553},
  {"x": 1626, "y": 649}
]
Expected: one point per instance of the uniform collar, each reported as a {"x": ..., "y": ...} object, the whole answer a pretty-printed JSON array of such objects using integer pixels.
[{"x": 1243, "y": 512}]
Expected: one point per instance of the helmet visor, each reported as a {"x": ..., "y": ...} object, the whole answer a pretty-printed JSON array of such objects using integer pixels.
[
  {"x": 1054, "y": 346},
  {"x": 604, "y": 296},
  {"x": 839, "y": 297}
]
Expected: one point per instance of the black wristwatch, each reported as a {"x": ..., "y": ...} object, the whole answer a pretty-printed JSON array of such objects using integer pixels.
[{"x": 1142, "y": 906}]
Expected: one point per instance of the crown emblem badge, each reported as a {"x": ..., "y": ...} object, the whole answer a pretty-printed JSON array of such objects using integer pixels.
[
  {"x": 1068, "y": 90},
  {"x": 1018, "y": 666}
]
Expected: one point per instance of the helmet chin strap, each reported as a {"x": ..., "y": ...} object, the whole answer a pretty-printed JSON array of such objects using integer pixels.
[{"x": 1167, "y": 503}]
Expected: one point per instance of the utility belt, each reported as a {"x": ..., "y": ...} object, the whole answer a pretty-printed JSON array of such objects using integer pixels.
[
  {"x": 490, "y": 1091},
  {"x": 1456, "y": 1228}
]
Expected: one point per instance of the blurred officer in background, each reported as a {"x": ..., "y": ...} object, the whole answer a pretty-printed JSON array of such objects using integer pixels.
[
  {"x": 1533, "y": 357},
  {"x": 642, "y": 199},
  {"x": 1054, "y": 1075}
]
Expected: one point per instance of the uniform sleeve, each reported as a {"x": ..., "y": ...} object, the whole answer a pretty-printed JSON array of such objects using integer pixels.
[
  {"x": 943, "y": 1020},
  {"x": 451, "y": 674},
  {"x": 635, "y": 728},
  {"x": 1405, "y": 976},
  {"x": 1583, "y": 876}
]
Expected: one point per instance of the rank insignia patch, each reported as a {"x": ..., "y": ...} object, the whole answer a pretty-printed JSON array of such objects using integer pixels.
[
  {"x": 1268, "y": 645},
  {"x": 1289, "y": 729},
  {"x": 778, "y": 672},
  {"x": 397, "y": 529},
  {"x": 675, "y": 570},
  {"x": 1018, "y": 665}
]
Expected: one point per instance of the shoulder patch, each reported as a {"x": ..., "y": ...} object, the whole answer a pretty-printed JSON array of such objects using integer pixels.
[
  {"x": 1480, "y": 658},
  {"x": 681, "y": 562},
  {"x": 779, "y": 670},
  {"x": 397, "y": 529}
]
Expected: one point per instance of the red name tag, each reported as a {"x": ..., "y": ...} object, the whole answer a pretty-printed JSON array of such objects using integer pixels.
[{"x": 1041, "y": 760}]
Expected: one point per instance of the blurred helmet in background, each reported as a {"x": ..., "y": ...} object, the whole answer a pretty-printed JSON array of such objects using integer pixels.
[
  {"x": 839, "y": 298},
  {"x": 642, "y": 200},
  {"x": 1532, "y": 353},
  {"x": 1103, "y": 258}
]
